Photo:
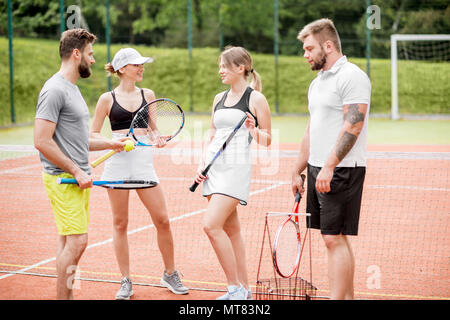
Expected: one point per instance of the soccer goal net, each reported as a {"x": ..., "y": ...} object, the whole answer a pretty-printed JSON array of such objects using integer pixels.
[{"x": 420, "y": 66}]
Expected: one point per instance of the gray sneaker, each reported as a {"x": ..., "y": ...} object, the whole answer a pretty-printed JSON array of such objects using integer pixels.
[
  {"x": 126, "y": 289},
  {"x": 226, "y": 296},
  {"x": 173, "y": 283}
]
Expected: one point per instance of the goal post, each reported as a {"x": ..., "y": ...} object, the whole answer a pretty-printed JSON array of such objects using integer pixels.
[{"x": 395, "y": 38}]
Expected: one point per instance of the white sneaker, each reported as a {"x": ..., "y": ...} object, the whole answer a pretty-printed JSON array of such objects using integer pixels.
[
  {"x": 226, "y": 296},
  {"x": 236, "y": 293}
]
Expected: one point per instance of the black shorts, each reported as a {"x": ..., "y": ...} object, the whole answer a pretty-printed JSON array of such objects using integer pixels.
[{"x": 336, "y": 212}]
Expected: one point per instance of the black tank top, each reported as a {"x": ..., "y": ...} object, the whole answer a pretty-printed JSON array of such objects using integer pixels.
[
  {"x": 121, "y": 118},
  {"x": 243, "y": 104}
]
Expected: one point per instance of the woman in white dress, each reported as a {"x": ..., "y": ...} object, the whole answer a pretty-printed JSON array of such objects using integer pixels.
[{"x": 228, "y": 181}]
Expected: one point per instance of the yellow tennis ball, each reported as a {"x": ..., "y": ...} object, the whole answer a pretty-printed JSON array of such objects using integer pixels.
[{"x": 129, "y": 145}]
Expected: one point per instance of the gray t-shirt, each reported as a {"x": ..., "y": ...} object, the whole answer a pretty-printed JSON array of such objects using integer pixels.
[{"x": 61, "y": 102}]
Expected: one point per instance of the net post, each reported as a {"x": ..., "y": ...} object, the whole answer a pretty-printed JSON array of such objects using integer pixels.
[
  {"x": 11, "y": 63},
  {"x": 189, "y": 18},
  {"x": 368, "y": 34},
  {"x": 62, "y": 25},
  {"x": 221, "y": 41},
  {"x": 276, "y": 50},
  {"x": 108, "y": 39},
  {"x": 394, "y": 79}
]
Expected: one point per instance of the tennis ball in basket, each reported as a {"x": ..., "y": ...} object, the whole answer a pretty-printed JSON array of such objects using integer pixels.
[{"x": 129, "y": 145}]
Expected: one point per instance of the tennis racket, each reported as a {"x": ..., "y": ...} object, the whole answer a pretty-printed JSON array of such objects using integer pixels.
[
  {"x": 205, "y": 171},
  {"x": 288, "y": 239},
  {"x": 161, "y": 117},
  {"x": 119, "y": 184}
]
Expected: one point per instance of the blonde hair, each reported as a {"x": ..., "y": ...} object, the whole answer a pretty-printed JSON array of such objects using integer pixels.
[
  {"x": 110, "y": 70},
  {"x": 323, "y": 30},
  {"x": 239, "y": 56}
]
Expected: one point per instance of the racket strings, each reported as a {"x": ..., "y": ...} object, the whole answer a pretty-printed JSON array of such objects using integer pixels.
[
  {"x": 287, "y": 249},
  {"x": 165, "y": 109},
  {"x": 141, "y": 119},
  {"x": 131, "y": 184},
  {"x": 162, "y": 116}
]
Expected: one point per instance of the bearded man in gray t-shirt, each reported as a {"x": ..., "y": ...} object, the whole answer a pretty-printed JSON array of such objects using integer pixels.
[{"x": 61, "y": 134}]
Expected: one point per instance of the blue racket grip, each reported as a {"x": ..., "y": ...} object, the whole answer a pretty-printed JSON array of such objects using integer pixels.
[
  {"x": 73, "y": 181},
  {"x": 66, "y": 181}
]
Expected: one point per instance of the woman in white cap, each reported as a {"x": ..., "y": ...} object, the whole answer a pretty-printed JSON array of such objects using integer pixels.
[{"x": 120, "y": 105}]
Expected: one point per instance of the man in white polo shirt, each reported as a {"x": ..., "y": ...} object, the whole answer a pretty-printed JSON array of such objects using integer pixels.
[{"x": 333, "y": 150}]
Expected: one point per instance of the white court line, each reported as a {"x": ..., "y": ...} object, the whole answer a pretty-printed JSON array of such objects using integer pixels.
[
  {"x": 187, "y": 215},
  {"x": 406, "y": 187},
  {"x": 19, "y": 169}
]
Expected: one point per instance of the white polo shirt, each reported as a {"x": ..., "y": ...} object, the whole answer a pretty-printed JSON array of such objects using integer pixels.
[{"x": 344, "y": 83}]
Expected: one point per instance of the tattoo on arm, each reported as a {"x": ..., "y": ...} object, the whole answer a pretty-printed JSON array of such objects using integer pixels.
[
  {"x": 353, "y": 115},
  {"x": 345, "y": 144}
]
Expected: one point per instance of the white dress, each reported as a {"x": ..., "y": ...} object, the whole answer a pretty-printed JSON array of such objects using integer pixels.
[{"x": 231, "y": 172}]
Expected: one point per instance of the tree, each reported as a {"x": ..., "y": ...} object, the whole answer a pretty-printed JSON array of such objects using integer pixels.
[
  {"x": 31, "y": 18},
  {"x": 247, "y": 23}
]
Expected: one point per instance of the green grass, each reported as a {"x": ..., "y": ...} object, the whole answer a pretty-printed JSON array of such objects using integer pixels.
[
  {"x": 291, "y": 130},
  {"x": 424, "y": 87},
  {"x": 381, "y": 131}
]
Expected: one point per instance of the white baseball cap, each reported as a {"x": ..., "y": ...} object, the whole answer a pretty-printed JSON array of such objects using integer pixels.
[{"x": 128, "y": 56}]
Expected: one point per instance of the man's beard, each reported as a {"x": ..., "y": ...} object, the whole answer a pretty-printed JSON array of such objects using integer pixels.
[
  {"x": 318, "y": 65},
  {"x": 84, "y": 68}
]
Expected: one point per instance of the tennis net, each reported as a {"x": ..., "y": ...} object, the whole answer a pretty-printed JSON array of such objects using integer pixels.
[{"x": 402, "y": 250}]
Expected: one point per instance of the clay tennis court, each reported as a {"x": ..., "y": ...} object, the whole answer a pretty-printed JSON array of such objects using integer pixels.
[{"x": 402, "y": 251}]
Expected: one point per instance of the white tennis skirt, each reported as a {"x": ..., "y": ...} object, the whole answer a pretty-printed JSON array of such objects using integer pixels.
[
  {"x": 136, "y": 164},
  {"x": 231, "y": 173}
]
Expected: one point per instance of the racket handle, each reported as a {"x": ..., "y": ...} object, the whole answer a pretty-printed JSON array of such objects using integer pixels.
[
  {"x": 108, "y": 155},
  {"x": 303, "y": 178},
  {"x": 298, "y": 195},
  {"x": 96, "y": 183},
  {"x": 204, "y": 173},
  {"x": 193, "y": 187},
  {"x": 66, "y": 181}
]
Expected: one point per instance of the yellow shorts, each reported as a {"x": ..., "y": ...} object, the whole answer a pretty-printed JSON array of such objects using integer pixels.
[{"x": 70, "y": 204}]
